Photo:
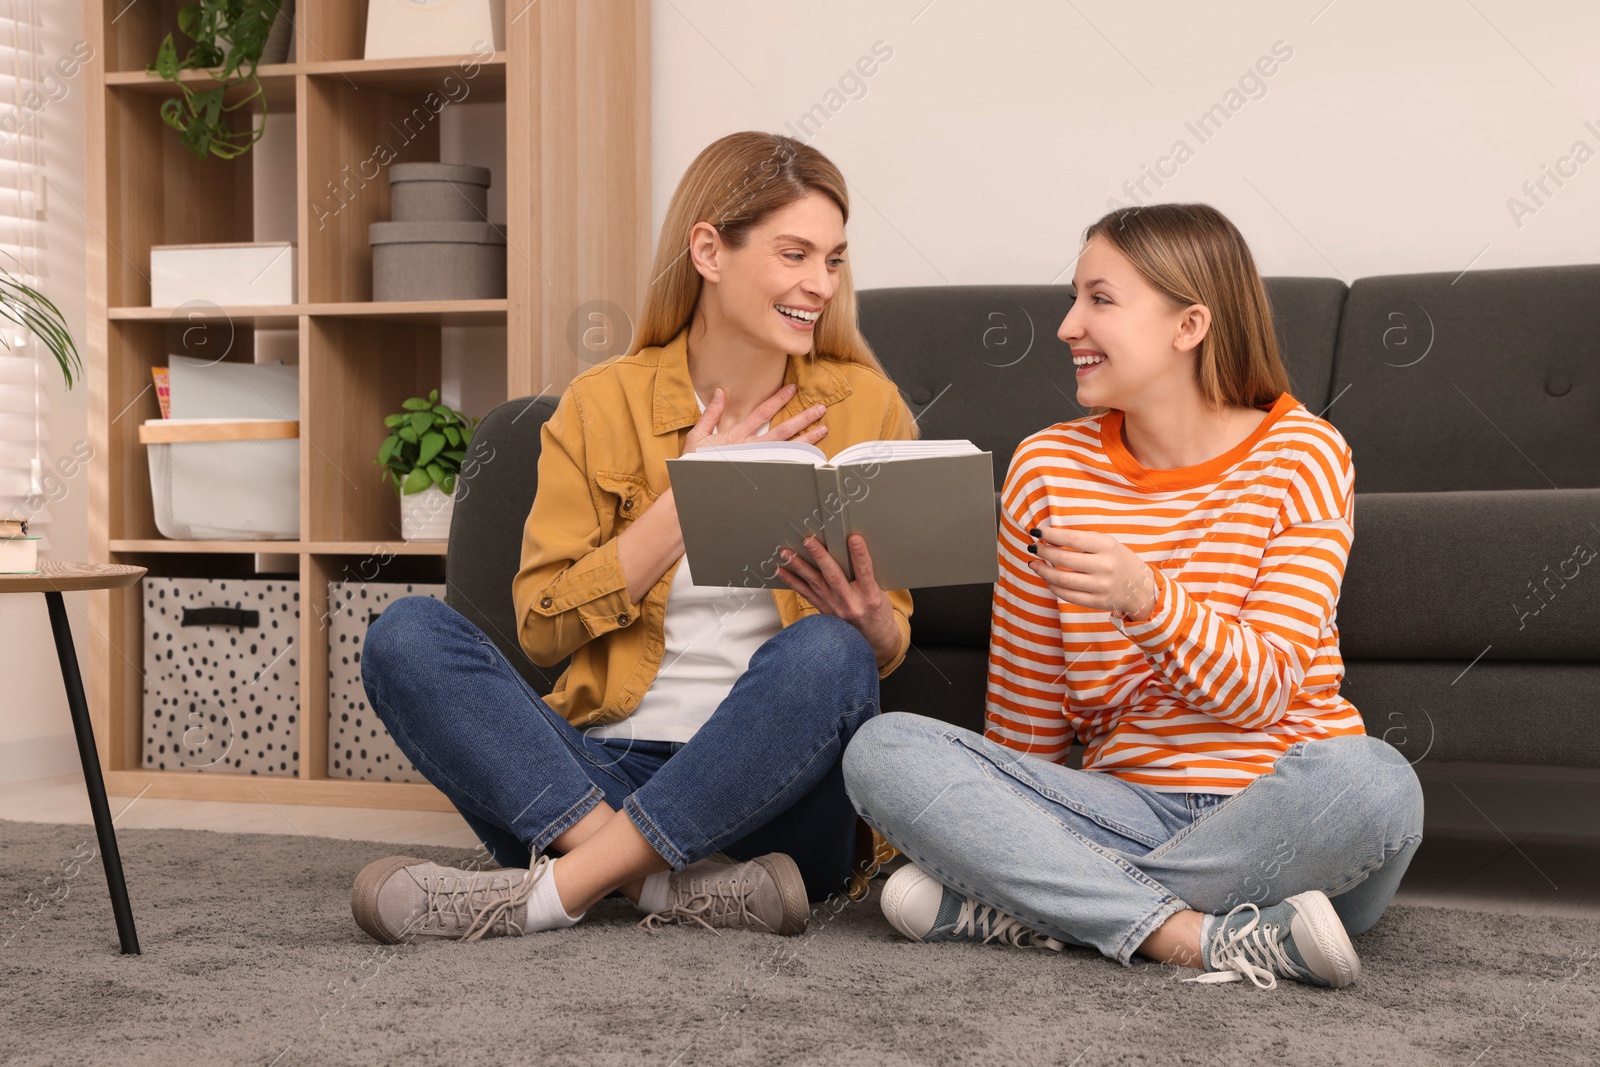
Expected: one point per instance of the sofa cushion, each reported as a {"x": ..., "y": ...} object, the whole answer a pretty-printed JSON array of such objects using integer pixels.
[
  {"x": 1539, "y": 713},
  {"x": 493, "y": 497},
  {"x": 1512, "y": 575},
  {"x": 1305, "y": 315},
  {"x": 1483, "y": 380}
]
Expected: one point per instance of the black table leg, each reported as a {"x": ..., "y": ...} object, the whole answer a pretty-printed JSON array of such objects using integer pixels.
[{"x": 67, "y": 654}]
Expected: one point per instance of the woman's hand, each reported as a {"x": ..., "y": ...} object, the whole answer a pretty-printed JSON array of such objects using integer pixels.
[
  {"x": 1094, "y": 570},
  {"x": 748, "y": 430},
  {"x": 860, "y": 603},
  {"x": 655, "y": 540}
]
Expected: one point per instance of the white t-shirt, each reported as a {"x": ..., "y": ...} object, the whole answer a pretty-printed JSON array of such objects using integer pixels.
[{"x": 710, "y": 634}]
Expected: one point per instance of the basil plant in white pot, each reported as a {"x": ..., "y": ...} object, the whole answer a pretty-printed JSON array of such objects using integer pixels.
[{"x": 422, "y": 456}]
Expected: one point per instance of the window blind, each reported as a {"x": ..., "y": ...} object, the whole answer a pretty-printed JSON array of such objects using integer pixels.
[{"x": 23, "y": 402}]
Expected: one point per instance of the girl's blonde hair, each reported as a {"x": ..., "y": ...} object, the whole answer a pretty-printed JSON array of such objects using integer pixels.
[
  {"x": 1192, "y": 254},
  {"x": 734, "y": 184}
]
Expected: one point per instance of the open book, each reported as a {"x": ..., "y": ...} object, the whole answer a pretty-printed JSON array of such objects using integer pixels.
[{"x": 926, "y": 509}]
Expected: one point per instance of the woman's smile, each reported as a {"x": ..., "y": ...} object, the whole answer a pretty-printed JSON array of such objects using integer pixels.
[{"x": 801, "y": 317}]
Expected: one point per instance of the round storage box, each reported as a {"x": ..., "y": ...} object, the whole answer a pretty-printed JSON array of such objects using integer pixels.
[
  {"x": 437, "y": 261},
  {"x": 438, "y": 192}
]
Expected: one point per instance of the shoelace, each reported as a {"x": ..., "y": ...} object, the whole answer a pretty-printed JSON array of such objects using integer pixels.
[
  {"x": 1254, "y": 951},
  {"x": 998, "y": 926},
  {"x": 453, "y": 898},
  {"x": 724, "y": 899}
]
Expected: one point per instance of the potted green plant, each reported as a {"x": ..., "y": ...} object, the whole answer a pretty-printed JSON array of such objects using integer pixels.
[
  {"x": 422, "y": 456},
  {"x": 33, "y": 311},
  {"x": 229, "y": 39}
]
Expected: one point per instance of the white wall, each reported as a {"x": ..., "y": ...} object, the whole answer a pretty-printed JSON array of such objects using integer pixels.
[
  {"x": 1389, "y": 142},
  {"x": 35, "y": 730}
]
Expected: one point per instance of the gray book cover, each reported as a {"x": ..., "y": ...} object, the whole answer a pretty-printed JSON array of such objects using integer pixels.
[{"x": 927, "y": 520}]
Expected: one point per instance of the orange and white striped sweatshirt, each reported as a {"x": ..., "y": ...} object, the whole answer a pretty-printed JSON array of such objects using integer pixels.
[{"x": 1240, "y": 657}]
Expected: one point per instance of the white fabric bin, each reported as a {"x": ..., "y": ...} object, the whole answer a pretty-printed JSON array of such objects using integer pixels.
[{"x": 224, "y": 479}]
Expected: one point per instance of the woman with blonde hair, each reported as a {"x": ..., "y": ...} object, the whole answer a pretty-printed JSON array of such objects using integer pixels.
[
  {"x": 688, "y": 757},
  {"x": 1169, "y": 569}
]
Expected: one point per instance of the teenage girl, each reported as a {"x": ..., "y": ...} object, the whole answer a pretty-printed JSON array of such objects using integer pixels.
[
  {"x": 689, "y": 755},
  {"x": 1169, "y": 569}
]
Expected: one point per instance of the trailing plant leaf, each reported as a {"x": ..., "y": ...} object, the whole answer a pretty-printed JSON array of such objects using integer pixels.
[{"x": 202, "y": 117}]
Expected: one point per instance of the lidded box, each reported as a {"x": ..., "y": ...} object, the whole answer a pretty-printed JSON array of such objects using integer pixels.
[
  {"x": 437, "y": 261},
  {"x": 438, "y": 192}
]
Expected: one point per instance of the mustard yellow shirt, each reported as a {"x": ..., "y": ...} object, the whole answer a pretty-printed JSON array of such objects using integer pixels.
[{"x": 602, "y": 463}]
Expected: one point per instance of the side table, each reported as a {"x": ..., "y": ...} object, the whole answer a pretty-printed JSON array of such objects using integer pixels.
[{"x": 53, "y": 579}]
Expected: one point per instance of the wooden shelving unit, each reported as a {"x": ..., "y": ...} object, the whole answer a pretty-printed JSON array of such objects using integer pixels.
[{"x": 575, "y": 81}]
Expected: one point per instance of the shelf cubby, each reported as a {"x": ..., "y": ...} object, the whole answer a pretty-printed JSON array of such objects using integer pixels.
[{"x": 569, "y": 121}]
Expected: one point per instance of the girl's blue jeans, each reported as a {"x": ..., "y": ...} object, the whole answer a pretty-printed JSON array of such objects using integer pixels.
[
  {"x": 1099, "y": 862},
  {"x": 762, "y": 775}
]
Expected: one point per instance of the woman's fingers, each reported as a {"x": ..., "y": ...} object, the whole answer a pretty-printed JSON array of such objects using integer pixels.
[
  {"x": 790, "y": 427},
  {"x": 832, "y": 573},
  {"x": 764, "y": 412},
  {"x": 861, "y": 559},
  {"x": 701, "y": 430},
  {"x": 1069, "y": 585},
  {"x": 1067, "y": 559},
  {"x": 801, "y": 427},
  {"x": 811, "y": 584}
]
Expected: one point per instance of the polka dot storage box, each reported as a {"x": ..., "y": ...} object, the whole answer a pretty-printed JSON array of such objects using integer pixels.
[
  {"x": 359, "y": 745},
  {"x": 222, "y": 675}
]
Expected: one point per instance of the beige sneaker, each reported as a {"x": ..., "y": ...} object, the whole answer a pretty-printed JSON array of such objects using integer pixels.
[
  {"x": 766, "y": 893},
  {"x": 402, "y": 898}
]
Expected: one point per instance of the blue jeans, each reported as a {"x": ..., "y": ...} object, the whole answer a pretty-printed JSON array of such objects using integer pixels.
[
  {"x": 762, "y": 775},
  {"x": 1099, "y": 862}
]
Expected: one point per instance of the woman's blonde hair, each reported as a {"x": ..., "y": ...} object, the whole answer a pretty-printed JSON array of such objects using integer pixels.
[
  {"x": 1192, "y": 254},
  {"x": 734, "y": 184}
]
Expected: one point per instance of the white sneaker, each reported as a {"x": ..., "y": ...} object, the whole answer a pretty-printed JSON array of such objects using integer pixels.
[{"x": 921, "y": 908}]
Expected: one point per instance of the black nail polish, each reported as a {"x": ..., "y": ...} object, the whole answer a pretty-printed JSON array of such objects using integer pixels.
[
  {"x": 1034, "y": 549},
  {"x": 1035, "y": 532}
]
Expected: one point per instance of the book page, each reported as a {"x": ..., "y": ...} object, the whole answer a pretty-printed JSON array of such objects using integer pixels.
[
  {"x": 763, "y": 452},
  {"x": 882, "y": 451}
]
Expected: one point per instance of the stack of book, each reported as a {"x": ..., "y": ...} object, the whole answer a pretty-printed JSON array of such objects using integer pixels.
[{"x": 19, "y": 552}]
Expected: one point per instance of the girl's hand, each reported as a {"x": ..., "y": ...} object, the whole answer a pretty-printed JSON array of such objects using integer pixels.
[
  {"x": 801, "y": 424},
  {"x": 1094, "y": 570},
  {"x": 860, "y": 603}
]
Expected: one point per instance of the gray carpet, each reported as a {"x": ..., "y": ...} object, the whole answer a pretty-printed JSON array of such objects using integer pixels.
[{"x": 251, "y": 957}]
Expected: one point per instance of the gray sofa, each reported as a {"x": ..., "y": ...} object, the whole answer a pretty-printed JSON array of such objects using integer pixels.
[{"x": 1470, "y": 614}]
